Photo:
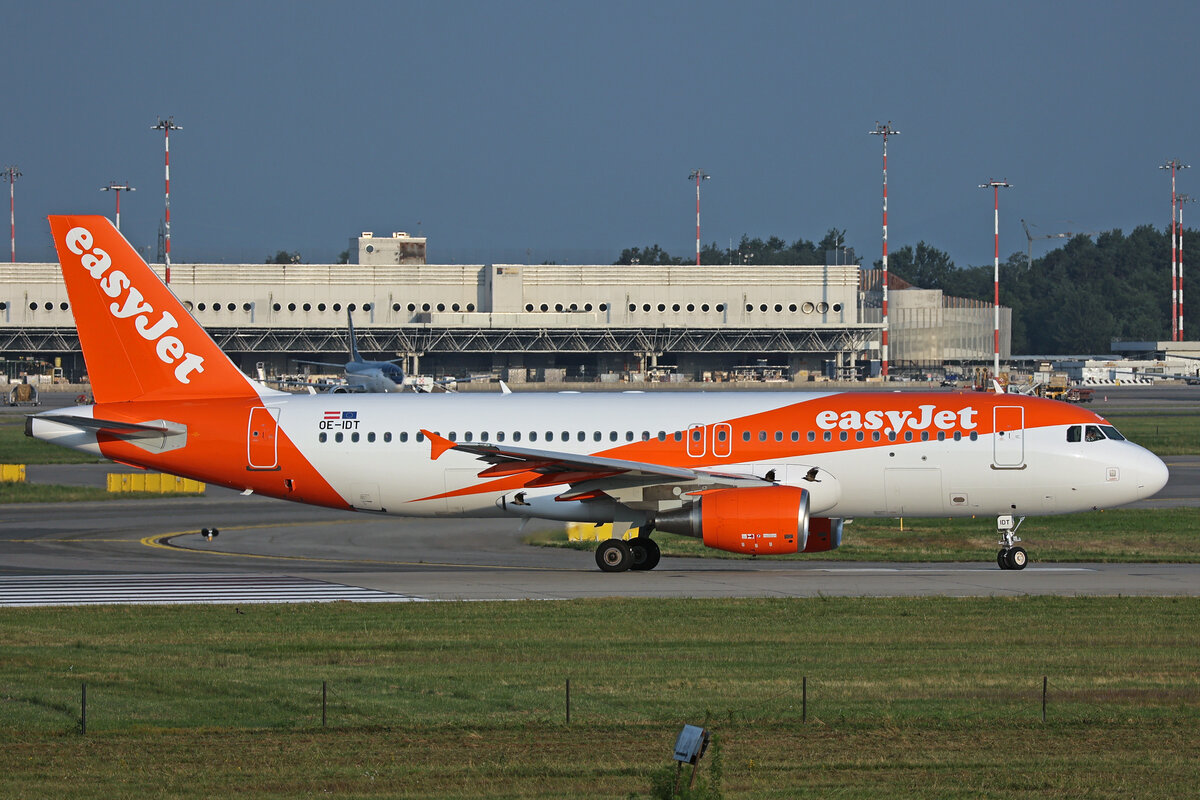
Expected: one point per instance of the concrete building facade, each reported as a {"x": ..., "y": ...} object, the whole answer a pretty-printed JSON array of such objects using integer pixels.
[{"x": 569, "y": 321}]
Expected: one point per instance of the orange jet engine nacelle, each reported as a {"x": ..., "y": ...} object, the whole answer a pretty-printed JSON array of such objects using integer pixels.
[{"x": 766, "y": 520}]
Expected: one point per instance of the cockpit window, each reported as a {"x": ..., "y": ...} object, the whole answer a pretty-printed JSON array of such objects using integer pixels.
[
  {"x": 1075, "y": 433},
  {"x": 1093, "y": 433},
  {"x": 1112, "y": 433}
]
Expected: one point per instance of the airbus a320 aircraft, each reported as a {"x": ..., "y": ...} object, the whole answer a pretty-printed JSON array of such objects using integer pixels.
[{"x": 760, "y": 473}]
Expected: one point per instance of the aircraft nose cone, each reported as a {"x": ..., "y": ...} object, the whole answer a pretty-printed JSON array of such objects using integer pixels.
[{"x": 1152, "y": 475}]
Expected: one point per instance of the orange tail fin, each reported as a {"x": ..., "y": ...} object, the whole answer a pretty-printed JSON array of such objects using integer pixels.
[{"x": 138, "y": 340}]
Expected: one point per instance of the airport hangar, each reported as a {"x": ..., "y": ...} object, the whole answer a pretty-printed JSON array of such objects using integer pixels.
[{"x": 544, "y": 322}]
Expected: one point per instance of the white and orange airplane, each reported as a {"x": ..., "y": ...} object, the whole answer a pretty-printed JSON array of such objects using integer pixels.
[{"x": 761, "y": 473}]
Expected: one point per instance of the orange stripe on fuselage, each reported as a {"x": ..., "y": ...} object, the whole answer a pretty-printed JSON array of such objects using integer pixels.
[{"x": 851, "y": 412}]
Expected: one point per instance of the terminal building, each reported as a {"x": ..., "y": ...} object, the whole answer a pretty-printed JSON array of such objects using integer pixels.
[{"x": 519, "y": 322}]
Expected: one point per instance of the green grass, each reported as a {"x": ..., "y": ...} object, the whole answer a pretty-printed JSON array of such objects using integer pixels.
[
  {"x": 1121, "y": 535},
  {"x": 1174, "y": 434},
  {"x": 17, "y": 448},
  {"x": 12, "y": 492},
  {"x": 923, "y": 697}
]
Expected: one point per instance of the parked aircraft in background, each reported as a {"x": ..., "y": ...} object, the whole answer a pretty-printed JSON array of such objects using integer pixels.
[
  {"x": 760, "y": 473},
  {"x": 361, "y": 374}
]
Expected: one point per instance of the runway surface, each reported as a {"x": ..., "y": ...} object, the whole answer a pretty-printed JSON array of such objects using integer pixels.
[{"x": 131, "y": 551}]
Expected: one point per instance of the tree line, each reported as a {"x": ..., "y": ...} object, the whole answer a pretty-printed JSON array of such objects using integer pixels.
[{"x": 1075, "y": 299}]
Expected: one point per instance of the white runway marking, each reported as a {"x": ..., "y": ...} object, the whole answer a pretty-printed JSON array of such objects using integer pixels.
[{"x": 82, "y": 590}]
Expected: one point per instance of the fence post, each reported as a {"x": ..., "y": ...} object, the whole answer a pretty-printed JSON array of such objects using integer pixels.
[
  {"x": 1044, "y": 683},
  {"x": 323, "y": 695},
  {"x": 568, "y": 701},
  {"x": 83, "y": 709},
  {"x": 804, "y": 699}
]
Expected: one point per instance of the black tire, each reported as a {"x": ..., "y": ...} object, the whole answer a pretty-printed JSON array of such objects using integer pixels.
[
  {"x": 613, "y": 556},
  {"x": 650, "y": 554},
  {"x": 1017, "y": 558},
  {"x": 1002, "y": 559}
]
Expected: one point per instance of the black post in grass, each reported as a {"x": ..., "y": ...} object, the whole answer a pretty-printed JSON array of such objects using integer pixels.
[
  {"x": 323, "y": 697},
  {"x": 804, "y": 699},
  {"x": 1044, "y": 684},
  {"x": 83, "y": 709},
  {"x": 568, "y": 701}
]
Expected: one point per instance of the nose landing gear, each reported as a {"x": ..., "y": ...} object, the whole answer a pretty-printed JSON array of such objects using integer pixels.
[{"x": 1010, "y": 556}]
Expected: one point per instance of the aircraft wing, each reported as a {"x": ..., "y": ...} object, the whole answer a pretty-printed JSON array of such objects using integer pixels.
[{"x": 587, "y": 475}]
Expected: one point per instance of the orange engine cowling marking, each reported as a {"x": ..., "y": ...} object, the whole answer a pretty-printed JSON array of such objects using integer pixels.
[{"x": 767, "y": 519}]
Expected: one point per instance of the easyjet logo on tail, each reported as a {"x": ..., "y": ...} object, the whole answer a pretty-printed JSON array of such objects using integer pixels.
[{"x": 131, "y": 304}]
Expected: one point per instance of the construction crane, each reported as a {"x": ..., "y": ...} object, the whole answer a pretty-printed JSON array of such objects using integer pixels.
[{"x": 1030, "y": 237}]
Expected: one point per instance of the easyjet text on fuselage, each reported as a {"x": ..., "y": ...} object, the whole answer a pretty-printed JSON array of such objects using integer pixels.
[{"x": 926, "y": 417}]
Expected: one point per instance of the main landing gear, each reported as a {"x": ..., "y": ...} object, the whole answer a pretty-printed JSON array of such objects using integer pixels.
[
  {"x": 1010, "y": 556},
  {"x": 640, "y": 553}
]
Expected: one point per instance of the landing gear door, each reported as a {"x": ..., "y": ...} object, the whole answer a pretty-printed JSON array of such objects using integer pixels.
[
  {"x": 1008, "y": 441},
  {"x": 262, "y": 450}
]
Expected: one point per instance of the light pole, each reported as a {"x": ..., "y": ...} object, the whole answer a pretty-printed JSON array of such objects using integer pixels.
[
  {"x": 1181, "y": 199},
  {"x": 885, "y": 130},
  {"x": 113, "y": 186},
  {"x": 996, "y": 186},
  {"x": 166, "y": 126},
  {"x": 1174, "y": 165},
  {"x": 11, "y": 173},
  {"x": 698, "y": 175}
]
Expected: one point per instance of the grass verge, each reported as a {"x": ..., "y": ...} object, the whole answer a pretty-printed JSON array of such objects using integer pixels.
[
  {"x": 17, "y": 448},
  {"x": 12, "y": 492},
  {"x": 922, "y": 697},
  {"x": 1175, "y": 434}
]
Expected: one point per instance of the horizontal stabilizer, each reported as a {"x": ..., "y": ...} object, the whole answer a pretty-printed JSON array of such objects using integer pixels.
[
  {"x": 125, "y": 430},
  {"x": 156, "y": 436}
]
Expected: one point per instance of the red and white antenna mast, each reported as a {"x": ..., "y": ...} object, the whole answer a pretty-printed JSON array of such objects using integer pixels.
[
  {"x": 113, "y": 186},
  {"x": 996, "y": 186},
  {"x": 698, "y": 175},
  {"x": 1181, "y": 199},
  {"x": 885, "y": 130},
  {"x": 166, "y": 126},
  {"x": 11, "y": 173},
  {"x": 1176, "y": 325}
]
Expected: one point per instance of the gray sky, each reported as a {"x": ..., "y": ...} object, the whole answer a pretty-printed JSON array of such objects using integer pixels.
[{"x": 567, "y": 129}]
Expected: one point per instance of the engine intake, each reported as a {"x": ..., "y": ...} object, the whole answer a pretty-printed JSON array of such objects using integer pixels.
[{"x": 766, "y": 519}]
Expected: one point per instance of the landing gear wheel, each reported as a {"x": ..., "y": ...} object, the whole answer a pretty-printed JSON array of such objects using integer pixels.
[
  {"x": 1016, "y": 558},
  {"x": 1001, "y": 562},
  {"x": 209, "y": 533},
  {"x": 645, "y": 552},
  {"x": 613, "y": 556}
]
